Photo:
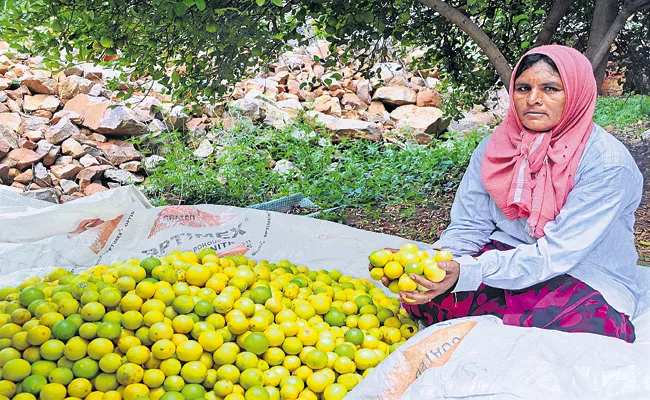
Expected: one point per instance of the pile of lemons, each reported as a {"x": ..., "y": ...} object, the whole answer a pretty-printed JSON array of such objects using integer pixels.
[
  {"x": 409, "y": 259},
  {"x": 194, "y": 326}
]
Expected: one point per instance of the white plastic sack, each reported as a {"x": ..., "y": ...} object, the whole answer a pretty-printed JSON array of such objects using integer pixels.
[
  {"x": 119, "y": 224},
  {"x": 463, "y": 359}
]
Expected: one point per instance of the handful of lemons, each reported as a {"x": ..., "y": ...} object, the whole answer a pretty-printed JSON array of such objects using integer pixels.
[
  {"x": 408, "y": 260},
  {"x": 190, "y": 326}
]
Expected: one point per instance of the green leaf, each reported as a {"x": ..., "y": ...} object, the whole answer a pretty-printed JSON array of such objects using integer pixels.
[
  {"x": 519, "y": 17},
  {"x": 260, "y": 2},
  {"x": 176, "y": 77},
  {"x": 180, "y": 9},
  {"x": 200, "y": 4},
  {"x": 278, "y": 3}
]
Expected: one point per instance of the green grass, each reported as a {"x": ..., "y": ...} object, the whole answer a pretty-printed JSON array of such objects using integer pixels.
[
  {"x": 622, "y": 111},
  {"x": 349, "y": 173}
]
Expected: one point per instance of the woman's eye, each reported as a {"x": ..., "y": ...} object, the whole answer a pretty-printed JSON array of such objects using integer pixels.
[
  {"x": 551, "y": 89},
  {"x": 523, "y": 89}
]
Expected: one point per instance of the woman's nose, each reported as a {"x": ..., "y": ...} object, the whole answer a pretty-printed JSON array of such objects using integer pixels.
[{"x": 534, "y": 96}]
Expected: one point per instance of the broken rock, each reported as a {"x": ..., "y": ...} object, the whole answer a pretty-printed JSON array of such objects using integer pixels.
[
  {"x": 49, "y": 195},
  {"x": 4, "y": 174},
  {"x": 123, "y": 177},
  {"x": 64, "y": 129},
  {"x": 34, "y": 123},
  {"x": 349, "y": 128},
  {"x": 9, "y": 137},
  {"x": 145, "y": 108},
  {"x": 248, "y": 108},
  {"x": 21, "y": 158},
  {"x": 69, "y": 171},
  {"x": 73, "y": 116},
  {"x": 152, "y": 162},
  {"x": 94, "y": 188},
  {"x": 119, "y": 153},
  {"x": 25, "y": 177},
  {"x": 204, "y": 150},
  {"x": 41, "y": 85},
  {"x": 11, "y": 121},
  {"x": 72, "y": 148},
  {"x": 40, "y": 102},
  {"x": 88, "y": 161},
  {"x": 74, "y": 85},
  {"x": 99, "y": 116},
  {"x": 131, "y": 166},
  {"x": 421, "y": 119},
  {"x": 4, "y": 149},
  {"x": 69, "y": 187},
  {"x": 428, "y": 98},
  {"x": 395, "y": 95},
  {"x": 92, "y": 173},
  {"x": 284, "y": 167}
]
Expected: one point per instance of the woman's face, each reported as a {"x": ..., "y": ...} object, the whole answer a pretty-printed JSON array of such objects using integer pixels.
[{"x": 539, "y": 97}]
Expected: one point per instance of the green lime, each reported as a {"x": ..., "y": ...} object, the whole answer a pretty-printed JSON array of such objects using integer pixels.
[
  {"x": 29, "y": 294},
  {"x": 335, "y": 317},
  {"x": 362, "y": 300},
  {"x": 61, "y": 375},
  {"x": 172, "y": 396},
  {"x": 256, "y": 343},
  {"x": 43, "y": 367},
  {"x": 261, "y": 294},
  {"x": 105, "y": 41},
  {"x": 64, "y": 330},
  {"x": 203, "y": 308},
  {"x": 193, "y": 391},
  {"x": 33, "y": 384},
  {"x": 149, "y": 264},
  {"x": 109, "y": 330},
  {"x": 206, "y": 250},
  {"x": 354, "y": 336},
  {"x": 85, "y": 368},
  {"x": 75, "y": 319}
]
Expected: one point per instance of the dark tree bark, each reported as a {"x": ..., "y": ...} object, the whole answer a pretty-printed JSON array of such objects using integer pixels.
[
  {"x": 555, "y": 15},
  {"x": 605, "y": 14},
  {"x": 503, "y": 67},
  {"x": 598, "y": 50}
]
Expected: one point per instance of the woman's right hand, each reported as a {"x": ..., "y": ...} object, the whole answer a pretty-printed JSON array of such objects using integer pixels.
[{"x": 384, "y": 280}]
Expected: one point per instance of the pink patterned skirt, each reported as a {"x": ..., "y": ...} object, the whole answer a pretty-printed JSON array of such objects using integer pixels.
[{"x": 563, "y": 303}]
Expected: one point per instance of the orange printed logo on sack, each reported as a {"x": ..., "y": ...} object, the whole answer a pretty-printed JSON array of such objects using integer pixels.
[
  {"x": 173, "y": 216},
  {"x": 239, "y": 250},
  {"x": 94, "y": 233},
  {"x": 434, "y": 351}
]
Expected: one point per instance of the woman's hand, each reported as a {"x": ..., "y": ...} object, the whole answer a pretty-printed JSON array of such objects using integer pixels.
[
  {"x": 435, "y": 289},
  {"x": 384, "y": 280}
]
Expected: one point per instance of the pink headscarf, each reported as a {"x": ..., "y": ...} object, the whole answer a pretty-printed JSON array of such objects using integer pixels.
[{"x": 530, "y": 174}]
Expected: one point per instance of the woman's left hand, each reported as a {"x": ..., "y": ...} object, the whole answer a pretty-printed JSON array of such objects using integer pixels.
[{"x": 452, "y": 268}]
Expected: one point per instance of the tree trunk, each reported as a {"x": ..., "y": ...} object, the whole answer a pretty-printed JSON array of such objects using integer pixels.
[
  {"x": 555, "y": 15},
  {"x": 484, "y": 42},
  {"x": 605, "y": 15}
]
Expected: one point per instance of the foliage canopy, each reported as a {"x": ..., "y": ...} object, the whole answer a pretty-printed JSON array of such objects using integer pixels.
[{"x": 200, "y": 47}]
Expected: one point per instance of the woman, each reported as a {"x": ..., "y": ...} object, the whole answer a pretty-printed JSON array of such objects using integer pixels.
[{"x": 547, "y": 209}]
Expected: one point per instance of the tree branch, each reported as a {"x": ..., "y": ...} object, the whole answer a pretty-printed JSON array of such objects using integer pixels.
[
  {"x": 482, "y": 40},
  {"x": 629, "y": 8},
  {"x": 555, "y": 15}
]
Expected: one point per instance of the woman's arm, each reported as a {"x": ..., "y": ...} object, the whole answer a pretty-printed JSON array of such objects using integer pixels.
[
  {"x": 471, "y": 224},
  {"x": 595, "y": 203}
]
